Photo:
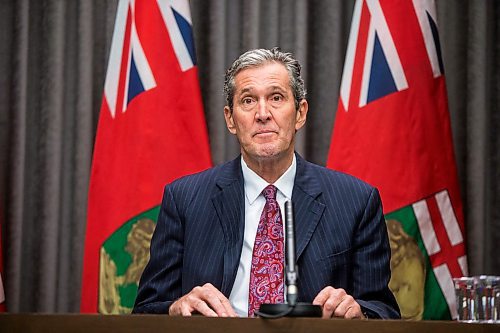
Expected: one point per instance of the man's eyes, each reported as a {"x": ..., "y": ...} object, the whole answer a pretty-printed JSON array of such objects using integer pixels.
[
  {"x": 250, "y": 101},
  {"x": 247, "y": 100},
  {"x": 277, "y": 98}
]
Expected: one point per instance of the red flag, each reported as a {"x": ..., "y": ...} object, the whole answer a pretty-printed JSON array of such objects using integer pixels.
[
  {"x": 151, "y": 130},
  {"x": 392, "y": 129}
]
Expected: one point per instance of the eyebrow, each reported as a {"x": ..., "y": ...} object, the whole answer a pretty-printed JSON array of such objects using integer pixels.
[
  {"x": 278, "y": 88},
  {"x": 245, "y": 90},
  {"x": 272, "y": 89}
]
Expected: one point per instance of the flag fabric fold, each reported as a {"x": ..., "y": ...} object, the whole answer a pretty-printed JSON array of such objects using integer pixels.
[
  {"x": 392, "y": 129},
  {"x": 151, "y": 131}
]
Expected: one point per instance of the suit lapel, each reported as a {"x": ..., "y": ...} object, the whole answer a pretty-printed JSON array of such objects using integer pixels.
[
  {"x": 308, "y": 210},
  {"x": 230, "y": 207}
]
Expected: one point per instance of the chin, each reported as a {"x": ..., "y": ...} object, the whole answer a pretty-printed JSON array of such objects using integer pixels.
[
  {"x": 265, "y": 151},
  {"x": 269, "y": 153}
]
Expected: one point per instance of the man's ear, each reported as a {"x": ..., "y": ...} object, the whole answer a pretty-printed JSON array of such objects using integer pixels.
[
  {"x": 301, "y": 115},
  {"x": 228, "y": 116}
]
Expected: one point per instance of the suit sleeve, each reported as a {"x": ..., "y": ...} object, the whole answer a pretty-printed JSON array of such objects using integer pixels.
[
  {"x": 372, "y": 257},
  {"x": 161, "y": 284}
]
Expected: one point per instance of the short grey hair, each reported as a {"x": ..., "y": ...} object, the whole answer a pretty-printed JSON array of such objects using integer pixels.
[{"x": 259, "y": 57}]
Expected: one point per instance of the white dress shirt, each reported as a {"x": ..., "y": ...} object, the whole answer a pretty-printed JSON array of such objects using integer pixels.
[{"x": 254, "y": 204}]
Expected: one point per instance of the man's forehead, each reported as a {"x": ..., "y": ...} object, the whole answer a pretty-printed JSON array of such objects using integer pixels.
[
  {"x": 271, "y": 76},
  {"x": 269, "y": 66}
]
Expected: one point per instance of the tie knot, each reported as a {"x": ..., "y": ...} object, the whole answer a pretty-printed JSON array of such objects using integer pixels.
[{"x": 270, "y": 192}]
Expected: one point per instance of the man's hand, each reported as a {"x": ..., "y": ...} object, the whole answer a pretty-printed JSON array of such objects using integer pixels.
[
  {"x": 337, "y": 303},
  {"x": 206, "y": 300}
]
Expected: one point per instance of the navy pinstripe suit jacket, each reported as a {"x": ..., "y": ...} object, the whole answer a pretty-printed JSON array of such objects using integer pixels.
[{"x": 341, "y": 238}]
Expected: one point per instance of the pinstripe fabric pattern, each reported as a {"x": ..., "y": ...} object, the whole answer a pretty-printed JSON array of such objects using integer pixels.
[{"x": 340, "y": 234}]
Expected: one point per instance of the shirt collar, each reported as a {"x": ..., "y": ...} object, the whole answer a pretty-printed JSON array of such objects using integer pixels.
[{"x": 254, "y": 184}]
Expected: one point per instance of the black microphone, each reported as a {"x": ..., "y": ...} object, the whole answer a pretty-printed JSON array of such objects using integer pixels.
[
  {"x": 291, "y": 274},
  {"x": 292, "y": 308}
]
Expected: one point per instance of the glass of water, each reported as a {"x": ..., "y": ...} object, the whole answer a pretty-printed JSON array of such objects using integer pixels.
[
  {"x": 487, "y": 298},
  {"x": 465, "y": 295}
]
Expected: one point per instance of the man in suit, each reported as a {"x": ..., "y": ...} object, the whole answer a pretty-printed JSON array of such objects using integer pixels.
[{"x": 218, "y": 244}]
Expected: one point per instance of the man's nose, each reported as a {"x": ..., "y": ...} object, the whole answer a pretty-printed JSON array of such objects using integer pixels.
[{"x": 263, "y": 112}]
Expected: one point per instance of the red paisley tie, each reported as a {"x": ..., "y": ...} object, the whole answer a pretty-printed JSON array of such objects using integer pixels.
[{"x": 268, "y": 260}]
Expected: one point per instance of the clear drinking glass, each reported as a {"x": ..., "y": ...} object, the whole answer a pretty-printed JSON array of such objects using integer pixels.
[
  {"x": 464, "y": 293},
  {"x": 487, "y": 298}
]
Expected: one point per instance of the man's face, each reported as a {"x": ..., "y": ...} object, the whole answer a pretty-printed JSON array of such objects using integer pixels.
[{"x": 264, "y": 117}]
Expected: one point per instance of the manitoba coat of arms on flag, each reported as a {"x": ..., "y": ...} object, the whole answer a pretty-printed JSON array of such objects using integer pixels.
[
  {"x": 392, "y": 129},
  {"x": 151, "y": 131}
]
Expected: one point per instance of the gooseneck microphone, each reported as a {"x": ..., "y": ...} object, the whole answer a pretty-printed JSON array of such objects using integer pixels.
[
  {"x": 290, "y": 266},
  {"x": 292, "y": 308}
]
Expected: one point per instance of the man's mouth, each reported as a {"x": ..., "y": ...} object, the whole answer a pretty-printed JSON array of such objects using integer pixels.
[{"x": 264, "y": 132}]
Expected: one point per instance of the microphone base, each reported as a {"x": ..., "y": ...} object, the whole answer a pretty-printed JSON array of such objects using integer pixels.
[{"x": 300, "y": 310}]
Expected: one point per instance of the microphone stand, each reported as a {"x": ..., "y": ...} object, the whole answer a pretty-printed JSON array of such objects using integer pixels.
[{"x": 292, "y": 308}]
